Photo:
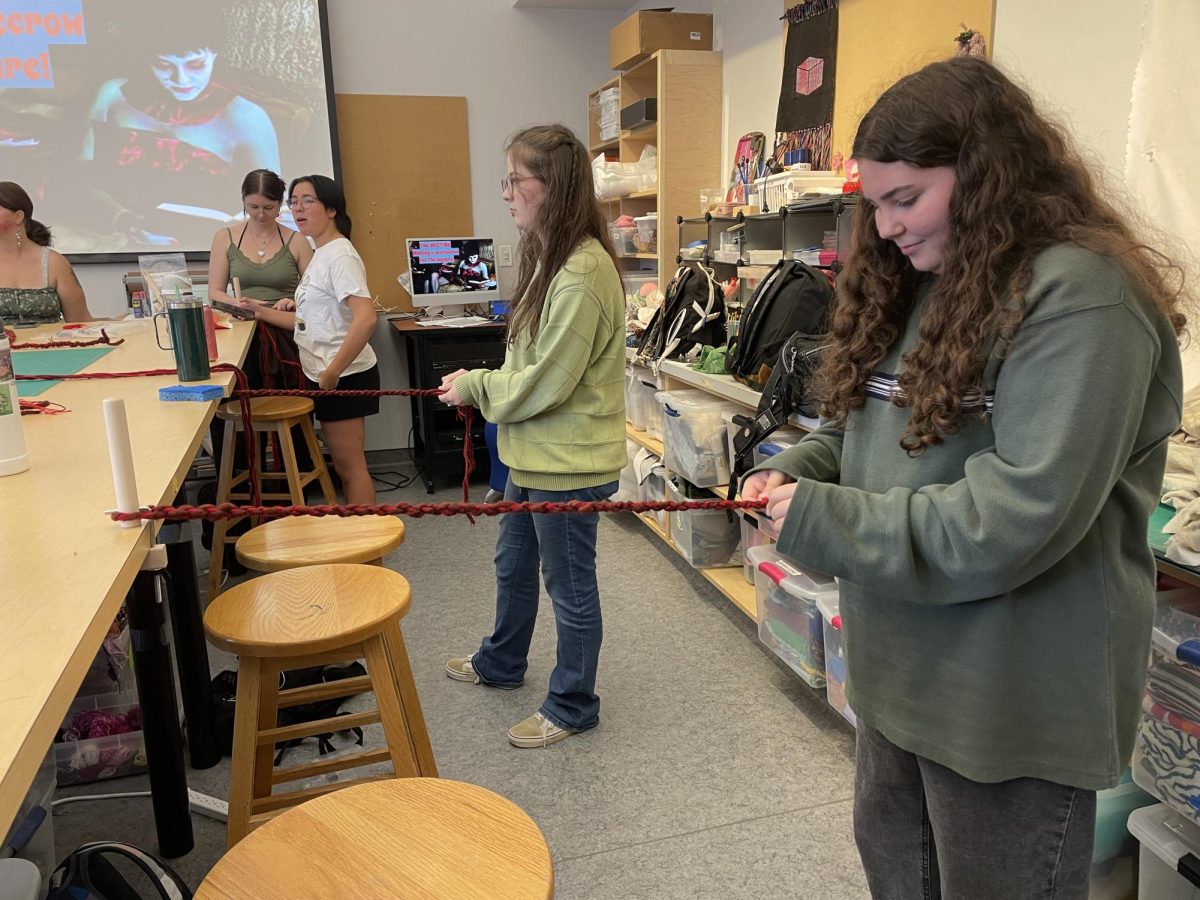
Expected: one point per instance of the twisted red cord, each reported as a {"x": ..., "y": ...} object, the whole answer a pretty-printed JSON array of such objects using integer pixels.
[
  {"x": 214, "y": 512},
  {"x": 50, "y": 345}
]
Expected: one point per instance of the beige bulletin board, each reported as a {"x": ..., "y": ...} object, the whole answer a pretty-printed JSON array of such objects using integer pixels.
[{"x": 406, "y": 171}]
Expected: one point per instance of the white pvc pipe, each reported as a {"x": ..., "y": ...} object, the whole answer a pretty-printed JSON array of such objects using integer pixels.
[{"x": 120, "y": 451}]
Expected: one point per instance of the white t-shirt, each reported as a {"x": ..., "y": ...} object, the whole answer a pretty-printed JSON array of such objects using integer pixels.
[{"x": 323, "y": 317}]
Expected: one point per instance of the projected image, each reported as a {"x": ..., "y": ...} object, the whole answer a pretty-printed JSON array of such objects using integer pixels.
[
  {"x": 143, "y": 119},
  {"x": 452, "y": 265}
]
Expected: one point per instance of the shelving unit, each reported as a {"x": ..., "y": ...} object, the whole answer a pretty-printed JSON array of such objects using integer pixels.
[
  {"x": 687, "y": 138},
  {"x": 729, "y": 580}
]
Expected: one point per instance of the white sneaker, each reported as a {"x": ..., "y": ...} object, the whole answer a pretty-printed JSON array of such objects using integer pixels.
[{"x": 460, "y": 669}]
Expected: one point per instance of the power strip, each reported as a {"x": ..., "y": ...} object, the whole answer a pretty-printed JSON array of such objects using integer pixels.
[{"x": 212, "y": 807}]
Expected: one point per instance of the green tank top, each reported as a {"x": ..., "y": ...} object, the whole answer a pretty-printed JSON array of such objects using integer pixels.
[
  {"x": 275, "y": 278},
  {"x": 32, "y": 306}
]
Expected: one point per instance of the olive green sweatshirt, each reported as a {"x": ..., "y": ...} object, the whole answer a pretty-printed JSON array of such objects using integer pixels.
[
  {"x": 998, "y": 591},
  {"x": 560, "y": 399}
]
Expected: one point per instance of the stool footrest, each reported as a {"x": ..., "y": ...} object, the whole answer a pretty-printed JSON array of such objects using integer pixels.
[
  {"x": 317, "y": 726},
  {"x": 327, "y": 690},
  {"x": 291, "y": 798},
  {"x": 325, "y": 766}
]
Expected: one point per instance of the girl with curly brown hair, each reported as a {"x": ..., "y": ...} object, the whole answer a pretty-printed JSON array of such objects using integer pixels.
[{"x": 1001, "y": 379}]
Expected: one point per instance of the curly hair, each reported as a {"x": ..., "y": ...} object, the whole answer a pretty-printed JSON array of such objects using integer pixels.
[{"x": 1020, "y": 187}]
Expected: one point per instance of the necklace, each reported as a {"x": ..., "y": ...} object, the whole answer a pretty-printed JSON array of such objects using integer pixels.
[{"x": 262, "y": 248}]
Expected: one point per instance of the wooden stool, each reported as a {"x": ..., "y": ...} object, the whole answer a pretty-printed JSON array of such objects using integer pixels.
[
  {"x": 314, "y": 541},
  {"x": 277, "y": 415},
  {"x": 411, "y": 838},
  {"x": 308, "y": 617}
]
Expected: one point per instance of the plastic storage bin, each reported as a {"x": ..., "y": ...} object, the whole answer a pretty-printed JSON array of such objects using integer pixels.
[
  {"x": 752, "y": 536},
  {"x": 694, "y": 435},
  {"x": 647, "y": 232},
  {"x": 622, "y": 238},
  {"x": 111, "y": 756},
  {"x": 1165, "y": 839},
  {"x": 1177, "y": 625},
  {"x": 627, "y": 484},
  {"x": 789, "y": 622},
  {"x": 705, "y": 537},
  {"x": 835, "y": 659},
  {"x": 641, "y": 406},
  {"x": 31, "y": 835},
  {"x": 654, "y": 487},
  {"x": 779, "y": 440}
]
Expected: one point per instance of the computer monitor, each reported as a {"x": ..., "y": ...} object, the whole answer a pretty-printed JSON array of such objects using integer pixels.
[{"x": 452, "y": 271}]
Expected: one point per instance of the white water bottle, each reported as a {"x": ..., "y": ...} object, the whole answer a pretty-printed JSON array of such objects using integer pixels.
[{"x": 13, "y": 458}]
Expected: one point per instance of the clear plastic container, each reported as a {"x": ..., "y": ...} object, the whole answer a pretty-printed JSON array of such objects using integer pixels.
[
  {"x": 654, "y": 414},
  {"x": 642, "y": 406},
  {"x": 694, "y": 436},
  {"x": 752, "y": 536},
  {"x": 654, "y": 487},
  {"x": 1165, "y": 763},
  {"x": 779, "y": 440},
  {"x": 95, "y": 759},
  {"x": 835, "y": 660},
  {"x": 622, "y": 238},
  {"x": 1177, "y": 625},
  {"x": 634, "y": 281},
  {"x": 705, "y": 537},
  {"x": 627, "y": 485},
  {"x": 789, "y": 622},
  {"x": 1165, "y": 839},
  {"x": 647, "y": 226},
  {"x": 635, "y": 411},
  {"x": 31, "y": 834}
]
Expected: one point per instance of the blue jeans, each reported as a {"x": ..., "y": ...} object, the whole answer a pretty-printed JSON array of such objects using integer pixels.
[
  {"x": 565, "y": 546},
  {"x": 924, "y": 832}
]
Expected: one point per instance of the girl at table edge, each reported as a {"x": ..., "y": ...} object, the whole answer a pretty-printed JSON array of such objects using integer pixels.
[
  {"x": 332, "y": 317},
  {"x": 1001, "y": 379},
  {"x": 25, "y": 255},
  {"x": 282, "y": 255}
]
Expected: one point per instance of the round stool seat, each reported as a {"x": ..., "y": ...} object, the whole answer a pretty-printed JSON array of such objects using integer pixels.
[
  {"x": 309, "y": 610},
  {"x": 267, "y": 409},
  {"x": 312, "y": 541},
  {"x": 405, "y": 837}
]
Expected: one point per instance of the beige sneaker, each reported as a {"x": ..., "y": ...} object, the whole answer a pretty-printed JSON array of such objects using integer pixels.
[
  {"x": 537, "y": 731},
  {"x": 460, "y": 669}
]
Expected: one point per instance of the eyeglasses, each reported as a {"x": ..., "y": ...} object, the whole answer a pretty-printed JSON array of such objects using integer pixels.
[
  {"x": 512, "y": 180},
  {"x": 302, "y": 202}
]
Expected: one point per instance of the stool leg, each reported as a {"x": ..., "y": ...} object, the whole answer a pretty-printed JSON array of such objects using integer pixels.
[
  {"x": 407, "y": 688},
  {"x": 391, "y": 708},
  {"x": 216, "y": 555},
  {"x": 290, "y": 467},
  {"x": 314, "y": 449},
  {"x": 245, "y": 739},
  {"x": 268, "y": 717}
]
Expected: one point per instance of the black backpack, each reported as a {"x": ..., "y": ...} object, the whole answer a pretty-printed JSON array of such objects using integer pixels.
[
  {"x": 692, "y": 313},
  {"x": 793, "y": 298},
  {"x": 87, "y": 874}
]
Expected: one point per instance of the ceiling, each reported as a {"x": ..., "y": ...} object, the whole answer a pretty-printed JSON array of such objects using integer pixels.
[{"x": 621, "y": 5}]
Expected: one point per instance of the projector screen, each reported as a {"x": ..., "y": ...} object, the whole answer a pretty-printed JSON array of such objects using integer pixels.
[{"x": 132, "y": 124}]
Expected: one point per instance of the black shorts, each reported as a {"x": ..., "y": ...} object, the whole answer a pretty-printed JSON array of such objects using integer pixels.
[{"x": 334, "y": 409}]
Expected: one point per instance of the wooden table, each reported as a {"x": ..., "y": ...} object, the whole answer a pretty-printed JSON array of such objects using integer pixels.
[{"x": 64, "y": 566}]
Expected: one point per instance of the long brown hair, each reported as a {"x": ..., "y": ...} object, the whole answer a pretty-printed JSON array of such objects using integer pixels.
[
  {"x": 568, "y": 216},
  {"x": 1020, "y": 187},
  {"x": 14, "y": 198}
]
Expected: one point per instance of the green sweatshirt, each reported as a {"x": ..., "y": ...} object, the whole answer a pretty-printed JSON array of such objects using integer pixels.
[
  {"x": 998, "y": 591},
  {"x": 560, "y": 400}
]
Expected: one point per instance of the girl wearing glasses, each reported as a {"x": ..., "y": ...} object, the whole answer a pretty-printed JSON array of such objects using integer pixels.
[
  {"x": 560, "y": 405},
  {"x": 332, "y": 317}
]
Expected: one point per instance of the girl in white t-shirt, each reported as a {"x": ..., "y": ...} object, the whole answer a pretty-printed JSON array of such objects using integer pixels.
[{"x": 333, "y": 317}]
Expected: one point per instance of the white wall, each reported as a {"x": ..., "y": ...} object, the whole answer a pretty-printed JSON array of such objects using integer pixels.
[
  {"x": 516, "y": 67},
  {"x": 1079, "y": 63}
]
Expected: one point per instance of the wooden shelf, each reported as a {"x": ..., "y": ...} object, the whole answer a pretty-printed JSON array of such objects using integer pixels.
[
  {"x": 651, "y": 522},
  {"x": 637, "y": 256},
  {"x": 649, "y": 194},
  {"x": 643, "y": 438},
  {"x": 730, "y": 581},
  {"x": 614, "y": 144}
]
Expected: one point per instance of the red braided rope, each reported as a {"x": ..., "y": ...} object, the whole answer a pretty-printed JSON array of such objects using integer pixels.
[
  {"x": 214, "y": 512},
  {"x": 50, "y": 345}
]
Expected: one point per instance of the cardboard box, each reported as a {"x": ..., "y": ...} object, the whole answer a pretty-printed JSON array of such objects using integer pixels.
[{"x": 649, "y": 30}]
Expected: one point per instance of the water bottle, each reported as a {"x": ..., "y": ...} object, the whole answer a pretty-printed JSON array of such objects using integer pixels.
[{"x": 13, "y": 458}]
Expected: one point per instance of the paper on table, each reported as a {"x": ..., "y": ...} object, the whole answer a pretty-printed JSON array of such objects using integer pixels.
[{"x": 456, "y": 321}]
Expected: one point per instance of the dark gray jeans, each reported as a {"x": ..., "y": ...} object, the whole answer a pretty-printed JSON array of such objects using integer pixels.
[{"x": 925, "y": 832}]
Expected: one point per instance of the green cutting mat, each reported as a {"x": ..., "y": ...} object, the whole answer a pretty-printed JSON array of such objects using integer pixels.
[{"x": 52, "y": 362}]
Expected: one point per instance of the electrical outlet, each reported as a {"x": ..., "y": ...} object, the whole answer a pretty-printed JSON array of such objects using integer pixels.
[
  {"x": 504, "y": 254},
  {"x": 212, "y": 807}
]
